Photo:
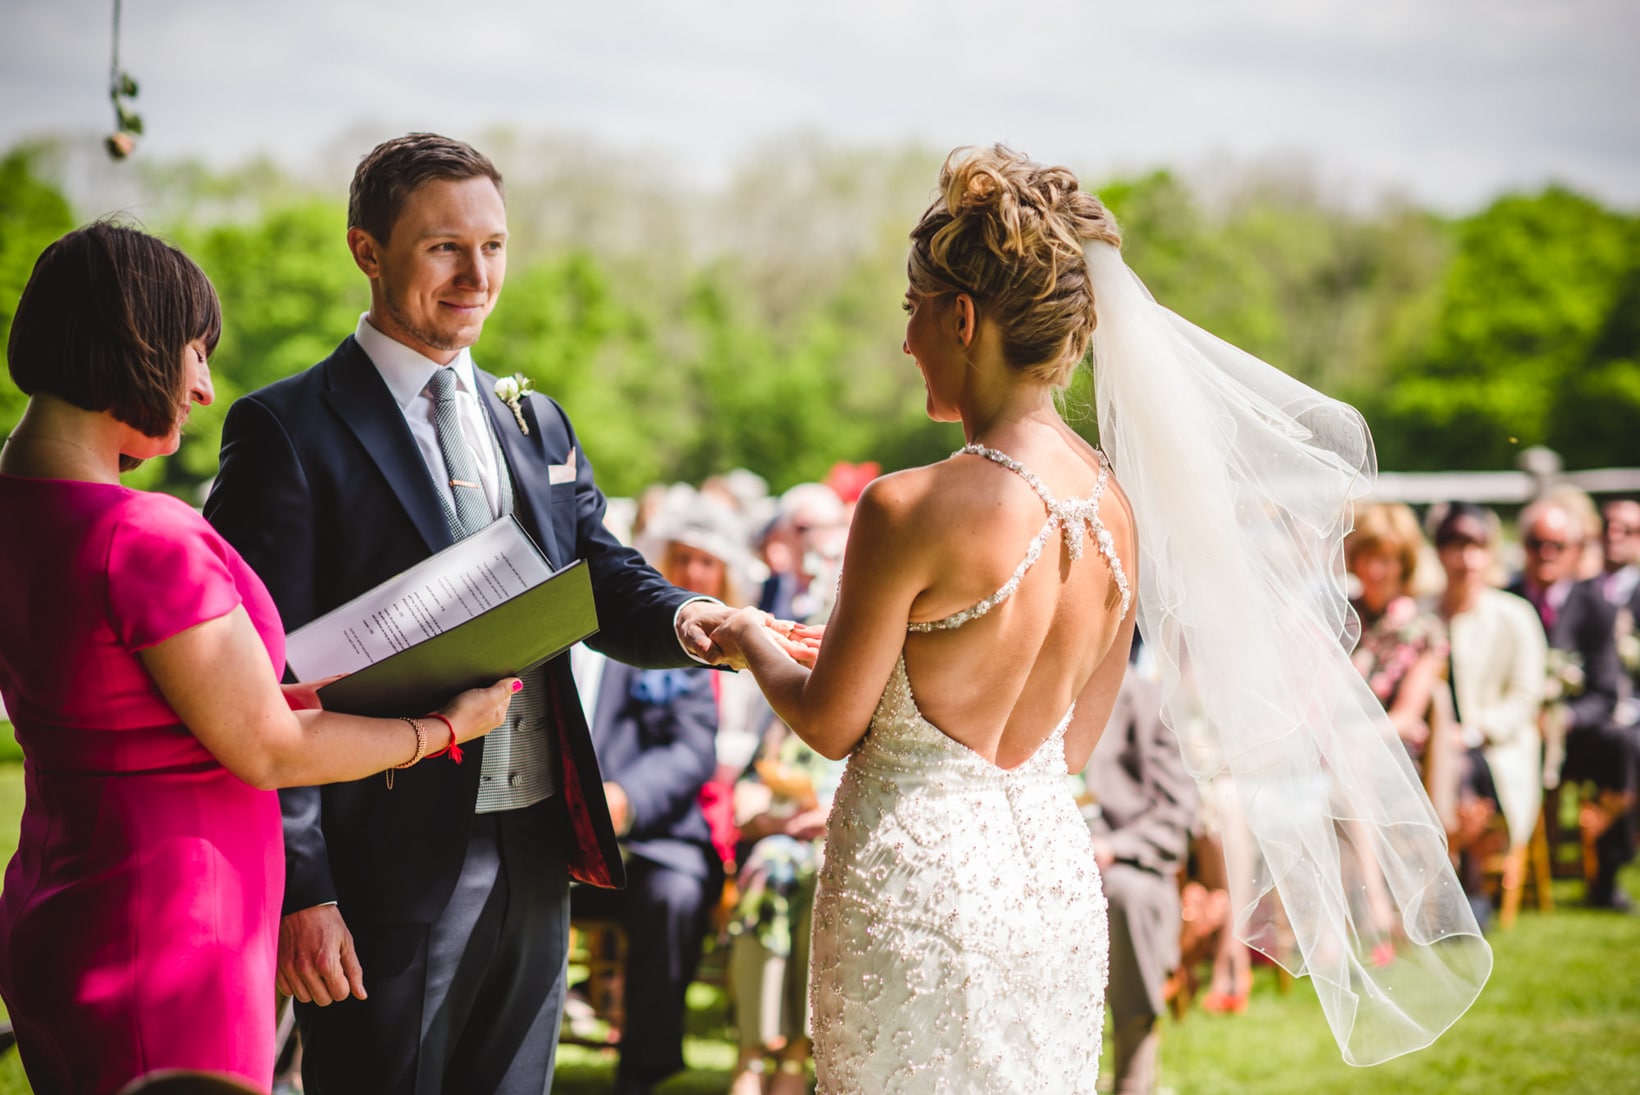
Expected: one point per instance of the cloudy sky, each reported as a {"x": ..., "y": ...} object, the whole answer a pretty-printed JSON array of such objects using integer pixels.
[{"x": 1449, "y": 102}]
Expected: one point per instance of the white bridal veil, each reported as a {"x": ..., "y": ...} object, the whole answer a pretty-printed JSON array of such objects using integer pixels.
[{"x": 1242, "y": 482}]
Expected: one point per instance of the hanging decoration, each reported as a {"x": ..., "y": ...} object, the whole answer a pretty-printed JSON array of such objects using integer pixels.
[{"x": 122, "y": 90}]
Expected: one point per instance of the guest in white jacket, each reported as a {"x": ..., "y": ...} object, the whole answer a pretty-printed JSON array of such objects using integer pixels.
[{"x": 1497, "y": 670}]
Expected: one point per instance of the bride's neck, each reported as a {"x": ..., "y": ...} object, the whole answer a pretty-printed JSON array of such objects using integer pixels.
[
  {"x": 57, "y": 440},
  {"x": 1022, "y": 410}
]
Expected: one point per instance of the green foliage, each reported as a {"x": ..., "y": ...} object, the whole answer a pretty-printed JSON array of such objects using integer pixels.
[
  {"x": 690, "y": 333},
  {"x": 33, "y": 213},
  {"x": 1534, "y": 342}
]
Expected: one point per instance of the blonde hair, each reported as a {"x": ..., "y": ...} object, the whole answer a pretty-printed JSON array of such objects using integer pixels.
[
  {"x": 1388, "y": 527},
  {"x": 1009, "y": 232}
]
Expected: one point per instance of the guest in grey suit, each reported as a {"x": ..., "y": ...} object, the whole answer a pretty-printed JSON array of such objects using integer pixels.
[{"x": 1146, "y": 802}]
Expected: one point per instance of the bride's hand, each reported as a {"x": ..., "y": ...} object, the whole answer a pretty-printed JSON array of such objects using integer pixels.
[
  {"x": 729, "y": 637},
  {"x": 799, "y": 642}
]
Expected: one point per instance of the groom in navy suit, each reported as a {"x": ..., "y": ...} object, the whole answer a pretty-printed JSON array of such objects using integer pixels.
[{"x": 425, "y": 923}]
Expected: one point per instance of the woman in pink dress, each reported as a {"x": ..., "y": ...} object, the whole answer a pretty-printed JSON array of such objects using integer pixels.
[{"x": 140, "y": 661}]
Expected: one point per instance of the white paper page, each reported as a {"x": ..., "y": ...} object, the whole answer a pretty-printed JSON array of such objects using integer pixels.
[{"x": 449, "y": 588}]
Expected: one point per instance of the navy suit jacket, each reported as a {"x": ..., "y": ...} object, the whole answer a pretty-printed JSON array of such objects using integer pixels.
[
  {"x": 323, "y": 491},
  {"x": 1587, "y": 625},
  {"x": 655, "y": 732}
]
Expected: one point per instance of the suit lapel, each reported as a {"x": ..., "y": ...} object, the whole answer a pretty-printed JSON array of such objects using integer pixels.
[
  {"x": 527, "y": 460},
  {"x": 359, "y": 396}
]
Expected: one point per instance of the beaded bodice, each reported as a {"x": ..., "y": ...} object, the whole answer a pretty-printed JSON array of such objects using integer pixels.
[{"x": 1074, "y": 518}]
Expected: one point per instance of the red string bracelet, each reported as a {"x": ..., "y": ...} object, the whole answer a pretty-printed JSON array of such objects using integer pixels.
[{"x": 453, "y": 749}]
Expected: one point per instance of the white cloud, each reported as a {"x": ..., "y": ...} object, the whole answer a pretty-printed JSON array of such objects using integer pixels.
[{"x": 1451, "y": 102}]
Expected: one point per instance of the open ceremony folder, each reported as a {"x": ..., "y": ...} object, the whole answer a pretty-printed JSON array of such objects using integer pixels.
[{"x": 487, "y": 607}]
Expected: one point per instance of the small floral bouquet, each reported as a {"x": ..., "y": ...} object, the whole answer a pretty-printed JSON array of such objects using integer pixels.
[
  {"x": 511, "y": 390},
  {"x": 1564, "y": 680}
]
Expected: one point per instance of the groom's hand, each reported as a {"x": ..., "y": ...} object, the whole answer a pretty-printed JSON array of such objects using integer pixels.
[
  {"x": 696, "y": 621},
  {"x": 317, "y": 963}
]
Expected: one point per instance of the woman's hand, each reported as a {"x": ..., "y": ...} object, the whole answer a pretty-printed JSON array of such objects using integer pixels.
[
  {"x": 304, "y": 695},
  {"x": 477, "y": 711}
]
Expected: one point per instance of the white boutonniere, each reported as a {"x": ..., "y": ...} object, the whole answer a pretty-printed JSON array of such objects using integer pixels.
[{"x": 511, "y": 390}]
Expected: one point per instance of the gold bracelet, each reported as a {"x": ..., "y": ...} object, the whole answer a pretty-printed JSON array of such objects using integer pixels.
[{"x": 421, "y": 748}]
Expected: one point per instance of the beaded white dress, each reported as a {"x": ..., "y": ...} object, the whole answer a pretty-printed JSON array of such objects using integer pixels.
[{"x": 960, "y": 932}]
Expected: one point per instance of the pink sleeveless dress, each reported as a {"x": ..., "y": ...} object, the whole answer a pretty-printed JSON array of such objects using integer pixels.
[{"x": 139, "y": 917}]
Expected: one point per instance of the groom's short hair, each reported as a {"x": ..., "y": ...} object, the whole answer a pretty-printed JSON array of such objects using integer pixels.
[{"x": 395, "y": 169}]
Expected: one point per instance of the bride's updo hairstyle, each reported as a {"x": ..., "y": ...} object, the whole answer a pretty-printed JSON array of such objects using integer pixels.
[{"x": 1009, "y": 232}]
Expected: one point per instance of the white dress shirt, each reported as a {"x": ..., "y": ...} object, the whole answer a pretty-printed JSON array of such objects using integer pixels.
[{"x": 407, "y": 374}]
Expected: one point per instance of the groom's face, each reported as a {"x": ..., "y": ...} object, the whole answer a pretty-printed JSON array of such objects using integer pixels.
[{"x": 435, "y": 280}]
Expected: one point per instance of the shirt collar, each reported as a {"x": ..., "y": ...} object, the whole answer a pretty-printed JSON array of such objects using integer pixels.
[{"x": 406, "y": 371}]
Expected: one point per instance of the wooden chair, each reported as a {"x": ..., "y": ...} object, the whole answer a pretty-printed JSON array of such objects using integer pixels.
[
  {"x": 1509, "y": 869},
  {"x": 1515, "y": 869},
  {"x": 599, "y": 947}
]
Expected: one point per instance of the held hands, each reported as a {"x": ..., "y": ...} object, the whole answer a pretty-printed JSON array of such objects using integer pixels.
[
  {"x": 317, "y": 962},
  {"x": 799, "y": 642}
]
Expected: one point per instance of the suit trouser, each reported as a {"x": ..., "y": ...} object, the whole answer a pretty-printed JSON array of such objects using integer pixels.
[
  {"x": 1610, "y": 756},
  {"x": 467, "y": 1005},
  {"x": 665, "y": 913}
]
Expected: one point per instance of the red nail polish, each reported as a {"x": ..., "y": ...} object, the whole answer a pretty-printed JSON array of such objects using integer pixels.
[{"x": 518, "y": 686}]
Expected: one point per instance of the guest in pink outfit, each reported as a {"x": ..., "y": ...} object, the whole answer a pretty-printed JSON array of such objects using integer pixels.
[{"x": 140, "y": 661}]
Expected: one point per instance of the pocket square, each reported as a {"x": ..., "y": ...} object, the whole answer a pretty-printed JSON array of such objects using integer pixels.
[{"x": 562, "y": 473}]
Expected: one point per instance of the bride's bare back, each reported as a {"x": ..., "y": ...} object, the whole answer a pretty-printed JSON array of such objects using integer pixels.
[{"x": 1000, "y": 680}]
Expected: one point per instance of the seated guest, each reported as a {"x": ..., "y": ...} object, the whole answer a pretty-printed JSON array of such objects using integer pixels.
[
  {"x": 803, "y": 547},
  {"x": 1401, "y": 654},
  {"x": 698, "y": 543},
  {"x": 653, "y": 733},
  {"x": 1402, "y": 650},
  {"x": 1496, "y": 675},
  {"x": 1620, "y": 583},
  {"x": 1582, "y": 626},
  {"x": 1146, "y": 801},
  {"x": 784, "y": 807}
]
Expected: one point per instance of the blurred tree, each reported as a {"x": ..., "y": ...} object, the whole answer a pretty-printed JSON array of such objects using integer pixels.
[
  {"x": 1533, "y": 285},
  {"x": 289, "y": 293},
  {"x": 691, "y": 330},
  {"x": 33, "y": 213}
]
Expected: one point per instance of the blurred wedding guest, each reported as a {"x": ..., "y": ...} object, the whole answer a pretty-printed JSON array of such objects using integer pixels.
[
  {"x": 1581, "y": 627},
  {"x": 1402, "y": 649},
  {"x": 698, "y": 543},
  {"x": 1146, "y": 802},
  {"x": 1401, "y": 654},
  {"x": 1496, "y": 679},
  {"x": 140, "y": 660},
  {"x": 653, "y": 734},
  {"x": 784, "y": 804},
  {"x": 1620, "y": 550},
  {"x": 803, "y": 548},
  {"x": 1586, "y": 560},
  {"x": 1620, "y": 583}
]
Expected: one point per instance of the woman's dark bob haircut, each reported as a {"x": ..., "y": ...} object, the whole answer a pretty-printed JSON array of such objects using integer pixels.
[{"x": 103, "y": 323}]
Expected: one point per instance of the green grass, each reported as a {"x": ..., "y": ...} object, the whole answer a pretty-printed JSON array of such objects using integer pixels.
[{"x": 1560, "y": 1015}]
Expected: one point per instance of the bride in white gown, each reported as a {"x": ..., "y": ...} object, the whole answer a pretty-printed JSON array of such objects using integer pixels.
[
  {"x": 981, "y": 632},
  {"x": 978, "y": 641}
]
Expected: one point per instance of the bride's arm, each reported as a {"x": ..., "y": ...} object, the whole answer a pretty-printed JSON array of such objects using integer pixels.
[{"x": 884, "y": 569}]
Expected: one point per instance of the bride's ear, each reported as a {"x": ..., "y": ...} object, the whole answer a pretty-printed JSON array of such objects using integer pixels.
[{"x": 965, "y": 318}]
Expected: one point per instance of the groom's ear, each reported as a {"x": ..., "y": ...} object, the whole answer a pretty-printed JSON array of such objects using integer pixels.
[{"x": 366, "y": 252}]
